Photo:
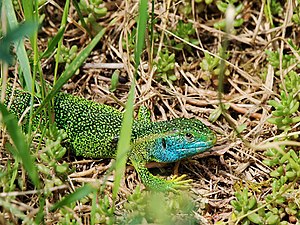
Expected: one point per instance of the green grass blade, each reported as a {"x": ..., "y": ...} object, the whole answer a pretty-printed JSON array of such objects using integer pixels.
[
  {"x": 141, "y": 29},
  {"x": 33, "y": 16},
  {"x": 78, "y": 194},
  {"x": 21, "y": 146},
  {"x": 71, "y": 69},
  {"x": 94, "y": 208},
  {"x": 40, "y": 215},
  {"x": 20, "y": 48},
  {"x": 63, "y": 24},
  {"x": 28, "y": 9},
  {"x": 14, "y": 172},
  {"x": 53, "y": 42},
  {"x": 126, "y": 129},
  {"x": 124, "y": 142}
]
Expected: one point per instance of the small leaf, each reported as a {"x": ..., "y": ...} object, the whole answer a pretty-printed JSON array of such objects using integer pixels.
[
  {"x": 273, "y": 219},
  {"x": 238, "y": 22},
  {"x": 284, "y": 158},
  {"x": 291, "y": 174},
  {"x": 100, "y": 11},
  {"x": 114, "y": 81},
  {"x": 222, "y": 6},
  {"x": 236, "y": 205},
  {"x": 62, "y": 151},
  {"x": 296, "y": 119},
  {"x": 274, "y": 103},
  {"x": 274, "y": 173},
  {"x": 241, "y": 128},
  {"x": 278, "y": 113},
  {"x": 255, "y": 218},
  {"x": 274, "y": 120},
  {"x": 268, "y": 162},
  {"x": 252, "y": 202},
  {"x": 215, "y": 114},
  {"x": 294, "y": 108},
  {"x": 61, "y": 168}
]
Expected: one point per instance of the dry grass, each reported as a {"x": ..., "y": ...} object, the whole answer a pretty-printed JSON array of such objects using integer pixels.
[{"x": 236, "y": 161}]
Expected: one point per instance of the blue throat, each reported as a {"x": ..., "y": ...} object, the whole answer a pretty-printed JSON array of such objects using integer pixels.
[{"x": 170, "y": 150}]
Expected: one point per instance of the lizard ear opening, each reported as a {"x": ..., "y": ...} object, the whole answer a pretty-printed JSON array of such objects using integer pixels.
[{"x": 164, "y": 144}]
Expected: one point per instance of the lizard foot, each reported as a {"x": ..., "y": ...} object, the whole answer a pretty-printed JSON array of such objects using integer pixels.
[{"x": 177, "y": 183}]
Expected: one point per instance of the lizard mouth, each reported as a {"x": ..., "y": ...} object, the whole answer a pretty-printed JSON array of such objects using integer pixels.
[{"x": 200, "y": 145}]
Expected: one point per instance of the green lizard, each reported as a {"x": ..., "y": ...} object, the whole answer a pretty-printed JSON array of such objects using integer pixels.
[{"x": 93, "y": 131}]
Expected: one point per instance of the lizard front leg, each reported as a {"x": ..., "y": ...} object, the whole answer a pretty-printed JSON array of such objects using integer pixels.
[{"x": 156, "y": 183}]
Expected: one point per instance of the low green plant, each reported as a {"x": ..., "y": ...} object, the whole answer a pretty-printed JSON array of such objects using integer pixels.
[
  {"x": 296, "y": 15},
  {"x": 243, "y": 204},
  {"x": 185, "y": 7},
  {"x": 158, "y": 208},
  {"x": 165, "y": 67},
  {"x": 17, "y": 5},
  {"x": 8, "y": 176},
  {"x": 185, "y": 31},
  {"x": 217, "y": 112},
  {"x": 210, "y": 65},
  {"x": 92, "y": 10},
  {"x": 52, "y": 152},
  {"x": 288, "y": 163},
  {"x": 287, "y": 60},
  {"x": 281, "y": 204},
  {"x": 67, "y": 217},
  {"x": 284, "y": 176},
  {"x": 284, "y": 113},
  {"x": 130, "y": 40},
  {"x": 286, "y": 106},
  {"x": 104, "y": 213},
  {"x": 273, "y": 8},
  {"x": 292, "y": 84},
  {"x": 67, "y": 55}
]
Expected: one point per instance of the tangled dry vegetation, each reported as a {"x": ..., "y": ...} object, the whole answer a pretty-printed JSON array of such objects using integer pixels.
[{"x": 179, "y": 76}]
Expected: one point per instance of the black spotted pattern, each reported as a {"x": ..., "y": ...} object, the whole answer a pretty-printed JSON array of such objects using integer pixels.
[{"x": 91, "y": 127}]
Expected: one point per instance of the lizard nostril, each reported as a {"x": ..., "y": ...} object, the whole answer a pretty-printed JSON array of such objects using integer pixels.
[{"x": 164, "y": 144}]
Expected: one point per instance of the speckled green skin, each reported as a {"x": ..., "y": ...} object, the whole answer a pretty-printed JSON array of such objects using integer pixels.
[
  {"x": 92, "y": 128},
  {"x": 93, "y": 131}
]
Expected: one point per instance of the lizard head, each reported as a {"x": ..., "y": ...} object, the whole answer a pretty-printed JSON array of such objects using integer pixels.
[{"x": 180, "y": 138}]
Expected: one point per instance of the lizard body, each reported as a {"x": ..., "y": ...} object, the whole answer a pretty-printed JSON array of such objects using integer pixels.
[{"x": 93, "y": 130}]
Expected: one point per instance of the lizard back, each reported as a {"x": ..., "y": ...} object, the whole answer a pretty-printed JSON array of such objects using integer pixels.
[{"x": 91, "y": 127}]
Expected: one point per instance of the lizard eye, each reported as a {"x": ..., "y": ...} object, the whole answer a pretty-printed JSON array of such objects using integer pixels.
[
  {"x": 189, "y": 136},
  {"x": 164, "y": 144}
]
